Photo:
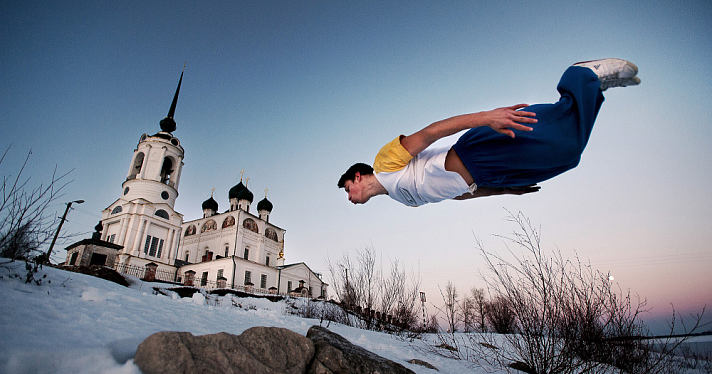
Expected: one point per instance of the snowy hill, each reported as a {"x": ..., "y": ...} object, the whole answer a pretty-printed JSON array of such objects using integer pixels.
[{"x": 75, "y": 323}]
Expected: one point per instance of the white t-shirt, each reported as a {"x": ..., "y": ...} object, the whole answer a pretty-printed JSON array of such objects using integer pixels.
[{"x": 417, "y": 180}]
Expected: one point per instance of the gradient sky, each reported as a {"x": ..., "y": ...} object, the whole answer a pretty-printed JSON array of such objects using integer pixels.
[{"x": 295, "y": 92}]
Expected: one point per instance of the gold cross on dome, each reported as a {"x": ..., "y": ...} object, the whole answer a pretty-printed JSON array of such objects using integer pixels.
[{"x": 212, "y": 191}]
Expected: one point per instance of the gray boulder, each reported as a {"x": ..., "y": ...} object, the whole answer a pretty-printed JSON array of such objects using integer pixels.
[
  {"x": 258, "y": 350},
  {"x": 336, "y": 355}
]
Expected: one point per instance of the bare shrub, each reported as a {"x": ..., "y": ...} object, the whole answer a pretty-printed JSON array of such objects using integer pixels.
[
  {"x": 24, "y": 224},
  {"x": 566, "y": 316},
  {"x": 380, "y": 302}
]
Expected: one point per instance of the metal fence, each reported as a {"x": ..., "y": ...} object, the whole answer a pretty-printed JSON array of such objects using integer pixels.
[{"x": 139, "y": 272}]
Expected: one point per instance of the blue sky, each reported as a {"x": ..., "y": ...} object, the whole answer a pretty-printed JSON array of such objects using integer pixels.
[{"x": 295, "y": 92}]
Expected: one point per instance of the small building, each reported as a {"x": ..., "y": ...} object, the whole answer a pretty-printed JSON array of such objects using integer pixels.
[{"x": 92, "y": 251}]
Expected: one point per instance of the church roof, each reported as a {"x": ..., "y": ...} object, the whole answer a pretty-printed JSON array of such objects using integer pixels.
[
  {"x": 264, "y": 204},
  {"x": 210, "y": 204},
  {"x": 234, "y": 191},
  {"x": 245, "y": 194},
  {"x": 168, "y": 124}
]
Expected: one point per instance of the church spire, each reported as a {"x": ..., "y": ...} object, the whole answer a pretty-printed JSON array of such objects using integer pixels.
[{"x": 168, "y": 124}]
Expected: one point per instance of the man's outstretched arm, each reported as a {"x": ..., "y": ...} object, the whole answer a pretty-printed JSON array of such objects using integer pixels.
[
  {"x": 502, "y": 120},
  {"x": 491, "y": 191}
]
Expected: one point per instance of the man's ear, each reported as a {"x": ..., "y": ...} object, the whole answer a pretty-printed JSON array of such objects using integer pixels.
[{"x": 357, "y": 177}]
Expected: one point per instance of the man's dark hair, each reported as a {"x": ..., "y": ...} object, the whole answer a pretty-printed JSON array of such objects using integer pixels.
[{"x": 350, "y": 174}]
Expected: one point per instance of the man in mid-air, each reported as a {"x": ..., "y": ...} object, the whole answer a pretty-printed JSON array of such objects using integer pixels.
[{"x": 506, "y": 151}]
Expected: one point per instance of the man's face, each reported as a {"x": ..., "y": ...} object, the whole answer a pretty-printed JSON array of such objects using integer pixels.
[{"x": 354, "y": 189}]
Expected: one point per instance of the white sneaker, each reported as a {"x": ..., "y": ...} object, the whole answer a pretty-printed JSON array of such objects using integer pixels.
[{"x": 613, "y": 72}]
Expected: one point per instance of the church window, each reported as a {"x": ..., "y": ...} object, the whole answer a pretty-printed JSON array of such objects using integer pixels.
[
  {"x": 227, "y": 249},
  {"x": 138, "y": 163},
  {"x": 228, "y": 222},
  {"x": 250, "y": 224},
  {"x": 190, "y": 230},
  {"x": 220, "y": 274},
  {"x": 162, "y": 213},
  {"x": 247, "y": 254},
  {"x": 289, "y": 286},
  {"x": 160, "y": 248},
  {"x": 267, "y": 261},
  {"x": 187, "y": 256},
  {"x": 263, "y": 281},
  {"x": 147, "y": 245},
  {"x": 166, "y": 171},
  {"x": 204, "y": 278},
  {"x": 154, "y": 244},
  {"x": 112, "y": 237},
  {"x": 248, "y": 277},
  {"x": 116, "y": 210},
  {"x": 271, "y": 234}
]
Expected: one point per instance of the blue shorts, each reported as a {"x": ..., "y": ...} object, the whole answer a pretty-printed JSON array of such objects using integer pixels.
[{"x": 553, "y": 147}]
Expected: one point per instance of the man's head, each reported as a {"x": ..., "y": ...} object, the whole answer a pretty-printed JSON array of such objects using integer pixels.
[{"x": 351, "y": 181}]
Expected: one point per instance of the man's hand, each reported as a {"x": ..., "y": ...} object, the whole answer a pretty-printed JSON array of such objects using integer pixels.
[
  {"x": 520, "y": 190},
  {"x": 504, "y": 119}
]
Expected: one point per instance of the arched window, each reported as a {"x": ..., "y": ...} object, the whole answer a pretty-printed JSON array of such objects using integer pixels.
[
  {"x": 210, "y": 225},
  {"x": 251, "y": 225},
  {"x": 162, "y": 213},
  {"x": 271, "y": 234},
  {"x": 190, "y": 230},
  {"x": 166, "y": 170},
  {"x": 116, "y": 210},
  {"x": 228, "y": 222},
  {"x": 137, "y": 164},
  {"x": 187, "y": 256}
]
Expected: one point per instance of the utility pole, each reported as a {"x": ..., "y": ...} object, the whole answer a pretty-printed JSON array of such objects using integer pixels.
[{"x": 56, "y": 234}]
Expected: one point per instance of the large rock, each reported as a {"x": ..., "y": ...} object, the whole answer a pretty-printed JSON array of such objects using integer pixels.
[
  {"x": 258, "y": 350},
  {"x": 336, "y": 355}
]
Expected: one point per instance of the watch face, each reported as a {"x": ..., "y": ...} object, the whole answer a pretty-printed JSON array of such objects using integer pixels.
[
  {"x": 165, "y": 195},
  {"x": 126, "y": 190}
]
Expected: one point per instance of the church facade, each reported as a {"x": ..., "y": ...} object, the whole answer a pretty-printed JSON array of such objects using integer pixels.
[{"x": 234, "y": 249}]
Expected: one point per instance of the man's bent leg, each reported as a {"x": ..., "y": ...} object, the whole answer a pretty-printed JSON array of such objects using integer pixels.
[{"x": 553, "y": 147}]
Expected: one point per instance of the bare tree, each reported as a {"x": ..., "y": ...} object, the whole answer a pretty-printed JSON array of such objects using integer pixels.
[
  {"x": 450, "y": 306},
  {"x": 479, "y": 303},
  {"x": 24, "y": 224}
]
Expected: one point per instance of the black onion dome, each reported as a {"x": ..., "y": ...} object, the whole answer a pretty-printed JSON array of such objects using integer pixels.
[
  {"x": 264, "y": 204},
  {"x": 210, "y": 204},
  {"x": 98, "y": 227},
  {"x": 232, "y": 194},
  {"x": 245, "y": 194}
]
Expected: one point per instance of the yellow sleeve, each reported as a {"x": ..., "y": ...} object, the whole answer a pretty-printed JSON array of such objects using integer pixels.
[{"x": 391, "y": 157}]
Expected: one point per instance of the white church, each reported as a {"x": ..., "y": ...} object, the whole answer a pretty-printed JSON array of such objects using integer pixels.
[{"x": 141, "y": 234}]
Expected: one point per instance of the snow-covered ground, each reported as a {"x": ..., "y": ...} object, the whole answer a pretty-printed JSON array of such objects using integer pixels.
[{"x": 75, "y": 323}]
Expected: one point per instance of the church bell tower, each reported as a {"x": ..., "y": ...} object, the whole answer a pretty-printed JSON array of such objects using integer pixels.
[{"x": 142, "y": 220}]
